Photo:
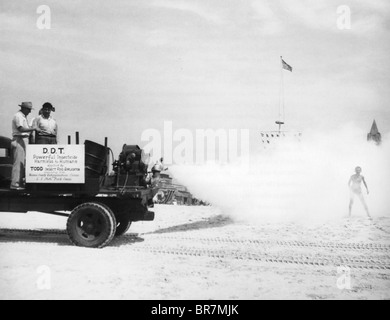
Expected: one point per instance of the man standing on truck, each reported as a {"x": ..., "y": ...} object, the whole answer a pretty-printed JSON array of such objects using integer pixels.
[
  {"x": 47, "y": 125},
  {"x": 20, "y": 138}
]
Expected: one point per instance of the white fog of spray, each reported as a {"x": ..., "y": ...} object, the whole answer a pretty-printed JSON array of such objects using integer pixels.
[{"x": 296, "y": 180}]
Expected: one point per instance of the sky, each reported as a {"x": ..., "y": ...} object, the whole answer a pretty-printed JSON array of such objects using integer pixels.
[{"x": 116, "y": 69}]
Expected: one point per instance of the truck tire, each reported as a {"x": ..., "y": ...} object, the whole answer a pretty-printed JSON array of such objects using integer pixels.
[
  {"x": 91, "y": 225},
  {"x": 123, "y": 224}
]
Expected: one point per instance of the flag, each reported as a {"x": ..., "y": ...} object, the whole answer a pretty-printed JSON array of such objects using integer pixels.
[{"x": 286, "y": 66}]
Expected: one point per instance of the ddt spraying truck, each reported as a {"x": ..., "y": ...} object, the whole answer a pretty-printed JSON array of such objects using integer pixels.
[{"x": 74, "y": 181}]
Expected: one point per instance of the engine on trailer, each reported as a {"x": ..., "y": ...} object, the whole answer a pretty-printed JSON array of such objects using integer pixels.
[{"x": 131, "y": 168}]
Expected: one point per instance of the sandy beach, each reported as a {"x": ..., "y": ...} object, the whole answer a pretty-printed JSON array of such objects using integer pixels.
[{"x": 197, "y": 253}]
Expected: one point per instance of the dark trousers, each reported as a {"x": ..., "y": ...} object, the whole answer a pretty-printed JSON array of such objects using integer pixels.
[{"x": 45, "y": 140}]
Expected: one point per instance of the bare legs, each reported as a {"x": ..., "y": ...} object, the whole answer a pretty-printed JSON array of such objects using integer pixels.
[{"x": 361, "y": 198}]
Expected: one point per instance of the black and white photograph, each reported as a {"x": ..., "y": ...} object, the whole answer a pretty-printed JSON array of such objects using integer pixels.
[{"x": 208, "y": 152}]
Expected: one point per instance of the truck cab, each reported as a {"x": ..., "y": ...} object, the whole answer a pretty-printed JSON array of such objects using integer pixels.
[{"x": 5, "y": 162}]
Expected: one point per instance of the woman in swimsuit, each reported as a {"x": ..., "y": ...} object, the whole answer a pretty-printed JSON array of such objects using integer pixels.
[{"x": 354, "y": 184}]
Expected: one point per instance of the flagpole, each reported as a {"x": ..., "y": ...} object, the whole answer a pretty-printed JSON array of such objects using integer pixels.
[
  {"x": 280, "y": 121},
  {"x": 283, "y": 115}
]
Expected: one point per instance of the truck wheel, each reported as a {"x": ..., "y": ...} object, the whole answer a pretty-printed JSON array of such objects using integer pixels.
[
  {"x": 91, "y": 225},
  {"x": 123, "y": 224}
]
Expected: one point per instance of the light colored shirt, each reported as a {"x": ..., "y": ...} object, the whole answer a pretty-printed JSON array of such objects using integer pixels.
[
  {"x": 20, "y": 120},
  {"x": 48, "y": 126},
  {"x": 158, "y": 166}
]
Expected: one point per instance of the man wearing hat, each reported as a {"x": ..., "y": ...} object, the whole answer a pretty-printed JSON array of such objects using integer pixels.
[
  {"x": 20, "y": 133},
  {"x": 47, "y": 125}
]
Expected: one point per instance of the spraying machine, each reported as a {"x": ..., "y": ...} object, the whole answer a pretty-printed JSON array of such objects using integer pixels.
[{"x": 103, "y": 205}]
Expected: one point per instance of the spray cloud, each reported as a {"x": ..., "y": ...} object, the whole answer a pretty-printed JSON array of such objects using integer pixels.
[{"x": 305, "y": 179}]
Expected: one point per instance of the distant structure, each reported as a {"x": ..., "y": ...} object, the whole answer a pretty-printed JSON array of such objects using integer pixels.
[
  {"x": 268, "y": 137},
  {"x": 374, "y": 134}
]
